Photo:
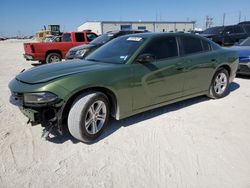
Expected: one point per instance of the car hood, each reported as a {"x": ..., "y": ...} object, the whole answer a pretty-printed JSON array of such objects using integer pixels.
[
  {"x": 45, "y": 73},
  {"x": 81, "y": 47},
  {"x": 243, "y": 51}
]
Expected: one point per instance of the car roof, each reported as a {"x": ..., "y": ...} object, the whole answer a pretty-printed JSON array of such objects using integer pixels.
[
  {"x": 159, "y": 34},
  {"x": 244, "y": 23},
  {"x": 216, "y": 27},
  {"x": 126, "y": 31}
]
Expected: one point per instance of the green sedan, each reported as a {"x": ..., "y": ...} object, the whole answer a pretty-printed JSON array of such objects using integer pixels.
[{"x": 129, "y": 75}]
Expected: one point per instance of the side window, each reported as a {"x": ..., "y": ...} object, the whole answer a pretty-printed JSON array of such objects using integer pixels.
[
  {"x": 66, "y": 37},
  {"x": 141, "y": 27},
  {"x": 238, "y": 29},
  {"x": 206, "y": 46},
  {"x": 79, "y": 37},
  {"x": 162, "y": 48},
  {"x": 229, "y": 30},
  {"x": 191, "y": 45},
  {"x": 91, "y": 36},
  {"x": 126, "y": 27}
]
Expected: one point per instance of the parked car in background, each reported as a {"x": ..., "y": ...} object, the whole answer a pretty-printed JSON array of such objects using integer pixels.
[
  {"x": 245, "y": 25},
  {"x": 82, "y": 51},
  {"x": 128, "y": 75},
  {"x": 2, "y": 38},
  {"x": 227, "y": 35},
  {"x": 48, "y": 52},
  {"x": 243, "y": 50}
]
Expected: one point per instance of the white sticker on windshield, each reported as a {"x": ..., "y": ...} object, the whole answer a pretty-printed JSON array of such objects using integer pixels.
[
  {"x": 134, "y": 39},
  {"x": 123, "y": 57}
]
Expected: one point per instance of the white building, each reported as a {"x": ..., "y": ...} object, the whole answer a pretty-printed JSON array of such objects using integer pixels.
[{"x": 101, "y": 27}]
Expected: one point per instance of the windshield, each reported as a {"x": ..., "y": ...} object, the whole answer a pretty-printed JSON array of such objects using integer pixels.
[
  {"x": 213, "y": 30},
  {"x": 102, "y": 39},
  {"x": 245, "y": 42},
  {"x": 117, "y": 51}
]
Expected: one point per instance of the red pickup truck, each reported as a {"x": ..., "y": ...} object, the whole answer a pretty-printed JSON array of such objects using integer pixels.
[{"x": 48, "y": 52}]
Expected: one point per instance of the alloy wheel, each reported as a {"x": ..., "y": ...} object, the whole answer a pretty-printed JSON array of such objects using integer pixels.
[
  {"x": 220, "y": 83},
  {"x": 95, "y": 117},
  {"x": 54, "y": 58}
]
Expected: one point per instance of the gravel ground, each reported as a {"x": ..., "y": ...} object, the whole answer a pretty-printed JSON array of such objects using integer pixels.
[{"x": 194, "y": 143}]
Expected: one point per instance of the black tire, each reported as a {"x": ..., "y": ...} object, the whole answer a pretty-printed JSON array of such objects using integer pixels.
[
  {"x": 218, "y": 90},
  {"x": 80, "y": 112},
  {"x": 53, "y": 57}
]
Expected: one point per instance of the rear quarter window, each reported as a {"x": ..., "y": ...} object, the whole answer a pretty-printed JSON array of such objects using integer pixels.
[
  {"x": 191, "y": 45},
  {"x": 206, "y": 45}
]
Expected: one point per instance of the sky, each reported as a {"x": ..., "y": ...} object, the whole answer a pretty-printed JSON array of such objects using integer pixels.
[{"x": 25, "y": 17}]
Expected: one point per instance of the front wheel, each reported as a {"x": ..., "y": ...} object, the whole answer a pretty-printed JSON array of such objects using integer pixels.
[
  {"x": 88, "y": 116},
  {"x": 219, "y": 84}
]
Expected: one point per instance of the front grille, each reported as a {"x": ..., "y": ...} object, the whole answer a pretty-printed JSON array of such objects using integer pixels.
[{"x": 72, "y": 52}]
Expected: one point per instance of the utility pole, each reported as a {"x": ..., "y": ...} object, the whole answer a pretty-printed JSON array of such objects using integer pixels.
[
  {"x": 223, "y": 19},
  {"x": 239, "y": 16},
  {"x": 209, "y": 22}
]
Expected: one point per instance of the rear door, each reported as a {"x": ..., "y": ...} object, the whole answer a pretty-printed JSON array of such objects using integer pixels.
[
  {"x": 160, "y": 80},
  {"x": 198, "y": 64}
]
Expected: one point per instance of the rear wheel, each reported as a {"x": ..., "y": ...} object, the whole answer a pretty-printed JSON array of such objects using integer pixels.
[
  {"x": 53, "y": 57},
  {"x": 219, "y": 85},
  {"x": 88, "y": 116}
]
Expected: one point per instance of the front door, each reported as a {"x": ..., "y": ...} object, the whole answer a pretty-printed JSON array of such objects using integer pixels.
[{"x": 160, "y": 80}]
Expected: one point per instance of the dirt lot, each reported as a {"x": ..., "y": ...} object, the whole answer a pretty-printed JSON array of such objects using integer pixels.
[{"x": 194, "y": 143}]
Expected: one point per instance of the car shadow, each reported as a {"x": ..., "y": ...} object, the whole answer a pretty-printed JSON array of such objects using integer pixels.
[
  {"x": 36, "y": 64},
  {"x": 115, "y": 125},
  {"x": 243, "y": 76}
]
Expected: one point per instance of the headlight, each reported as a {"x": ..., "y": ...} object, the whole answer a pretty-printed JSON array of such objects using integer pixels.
[
  {"x": 81, "y": 53},
  {"x": 39, "y": 98}
]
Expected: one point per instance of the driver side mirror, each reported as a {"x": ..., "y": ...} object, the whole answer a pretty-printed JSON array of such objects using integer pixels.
[{"x": 145, "y": 58}]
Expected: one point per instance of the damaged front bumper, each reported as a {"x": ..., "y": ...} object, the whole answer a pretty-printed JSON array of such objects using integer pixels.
[{"x": 48, "y": 115}]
